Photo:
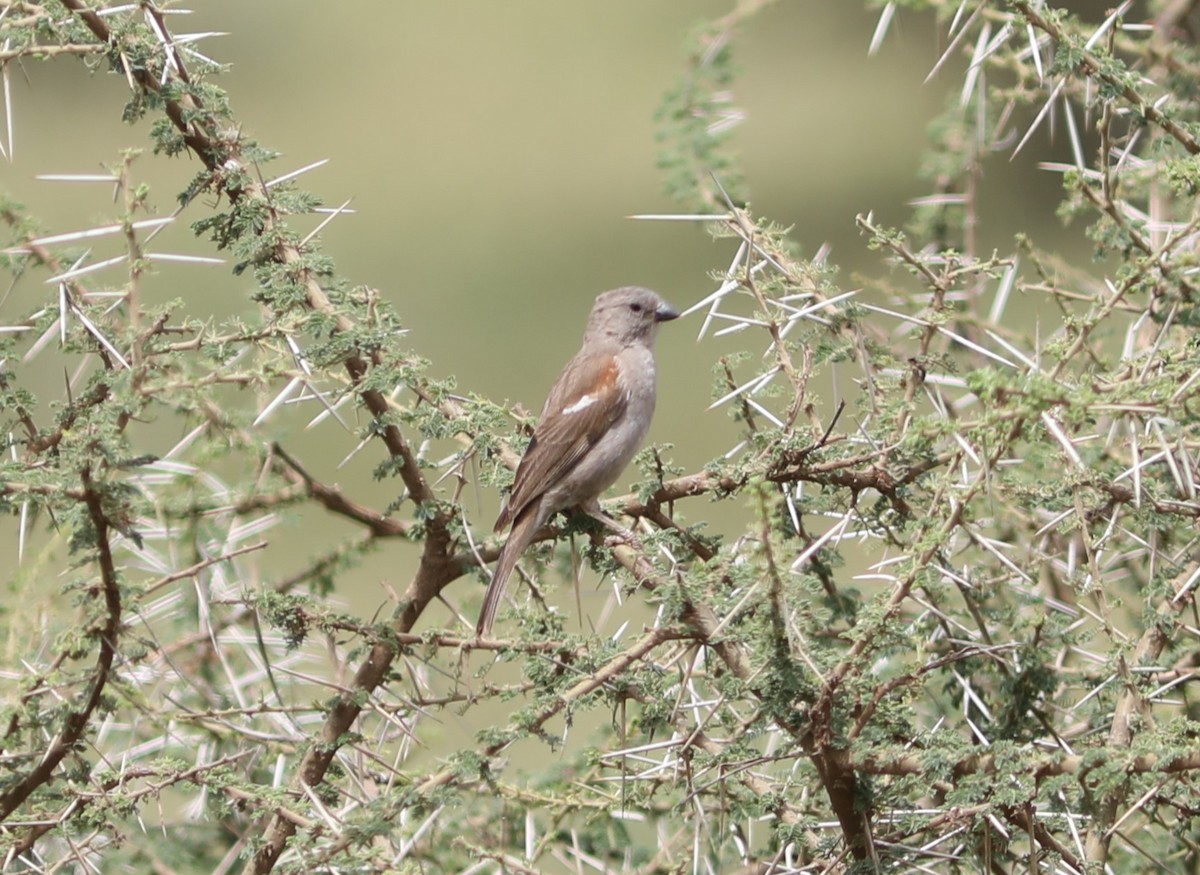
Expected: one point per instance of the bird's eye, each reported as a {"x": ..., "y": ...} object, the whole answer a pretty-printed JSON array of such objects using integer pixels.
[{"x": 636, "y": 308}]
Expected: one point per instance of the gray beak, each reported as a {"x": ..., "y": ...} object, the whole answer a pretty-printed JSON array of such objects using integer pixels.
[{"x": 664, "y": 312}]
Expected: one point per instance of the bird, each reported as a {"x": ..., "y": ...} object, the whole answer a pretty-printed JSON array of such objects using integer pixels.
[{"x": 594, "y": 420}]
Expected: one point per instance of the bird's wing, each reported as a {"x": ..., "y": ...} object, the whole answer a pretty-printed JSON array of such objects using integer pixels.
[{"x": 583, "y": 404}]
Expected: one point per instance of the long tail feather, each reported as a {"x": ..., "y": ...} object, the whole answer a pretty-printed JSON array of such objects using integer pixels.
[{"x": 524, "y": 528}]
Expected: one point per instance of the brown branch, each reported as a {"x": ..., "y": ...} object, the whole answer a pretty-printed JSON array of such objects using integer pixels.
[
  {"x": 1041, "y": 770},
  {"x": 595, "y": 680},
  {"x": 196, "y": 568},
  {"x": 81, "y": 799},
  {"x": 832, "y": 764},
  {"x": 200, "y": 133},
  {"x": 436, "y": 570},
  {"x": 1132, "y": 704},
  {"x": 76, "y": 722},
  {"x": 36, "y": 441},
  {"x": 333, "y": 500},
  {"x": 1093, "y": 68},
  {"x": 40, "y": 51},
  {"x": 204, "y": 637}
]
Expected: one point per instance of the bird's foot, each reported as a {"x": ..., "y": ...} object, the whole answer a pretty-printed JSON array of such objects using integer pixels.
[
  {"x": 627, "y": 538},
  {"x": 620, "y": 534}
]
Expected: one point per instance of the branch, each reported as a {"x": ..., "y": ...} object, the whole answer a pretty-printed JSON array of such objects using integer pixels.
[
  {"x": 199, "y": 130},
  {"x": 1093, "y": 68},
  {"x": 76, "y": 721}
]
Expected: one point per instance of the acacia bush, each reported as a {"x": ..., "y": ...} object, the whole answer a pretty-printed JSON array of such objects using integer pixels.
[{"x": 955, "y": 630}]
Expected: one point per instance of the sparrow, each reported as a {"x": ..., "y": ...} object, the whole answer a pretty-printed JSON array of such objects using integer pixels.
[{"x": 594, "y": 420}]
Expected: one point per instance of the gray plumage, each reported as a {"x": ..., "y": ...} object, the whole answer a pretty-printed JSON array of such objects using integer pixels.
[{"x": 593, "y": 422}]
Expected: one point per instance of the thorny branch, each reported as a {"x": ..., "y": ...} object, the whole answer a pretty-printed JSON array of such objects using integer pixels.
[
  {"x": 78, "y": 718},
  {"x": 948, "y": 482}
]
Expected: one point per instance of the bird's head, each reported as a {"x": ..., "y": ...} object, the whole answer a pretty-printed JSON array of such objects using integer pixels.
[{"x": 628, "y": 315}]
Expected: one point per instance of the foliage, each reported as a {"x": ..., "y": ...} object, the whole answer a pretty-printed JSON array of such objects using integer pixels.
[{"x": 1003, "y": 683}]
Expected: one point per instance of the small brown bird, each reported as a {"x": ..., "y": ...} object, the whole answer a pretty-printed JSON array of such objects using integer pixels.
[{"x": 594, "y": 420}]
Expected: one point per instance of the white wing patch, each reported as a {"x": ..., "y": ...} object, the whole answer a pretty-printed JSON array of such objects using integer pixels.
[{"x": 582, "y": 404}]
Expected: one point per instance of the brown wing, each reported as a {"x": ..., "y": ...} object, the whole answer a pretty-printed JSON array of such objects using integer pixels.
[{"x": 584, "y": 402}]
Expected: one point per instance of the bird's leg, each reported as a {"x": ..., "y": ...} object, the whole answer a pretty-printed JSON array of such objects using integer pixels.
[{"x": 593, "y": 509}]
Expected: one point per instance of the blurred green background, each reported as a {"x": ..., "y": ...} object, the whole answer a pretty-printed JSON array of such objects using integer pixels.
[{"x": 493, "y": 152}]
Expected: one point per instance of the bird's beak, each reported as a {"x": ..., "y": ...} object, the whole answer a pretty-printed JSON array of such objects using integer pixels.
[{"x": 664, "y": 312}]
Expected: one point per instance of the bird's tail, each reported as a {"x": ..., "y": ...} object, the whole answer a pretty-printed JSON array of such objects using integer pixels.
[{"x": 523, "y": 529}]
